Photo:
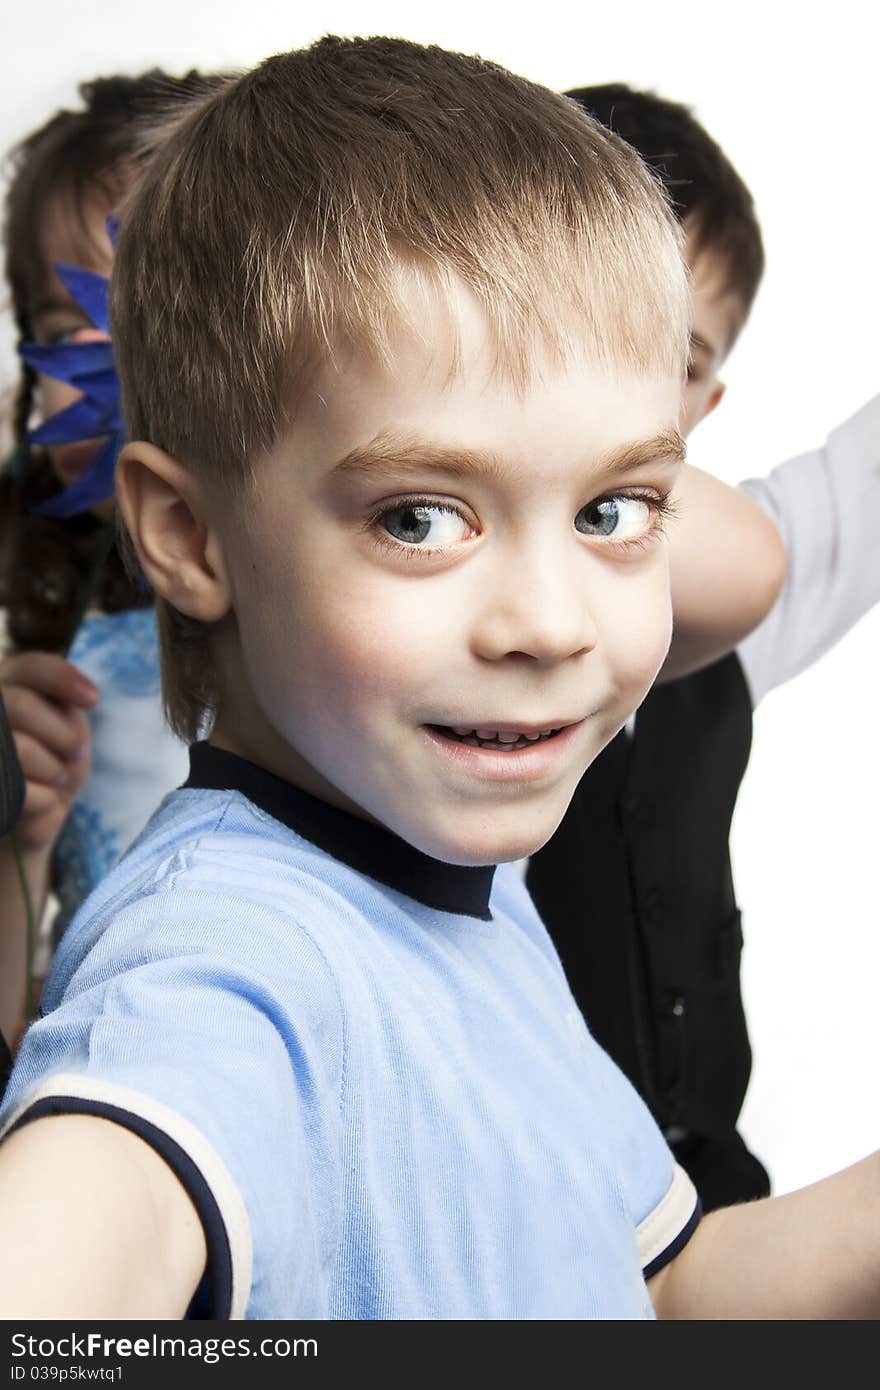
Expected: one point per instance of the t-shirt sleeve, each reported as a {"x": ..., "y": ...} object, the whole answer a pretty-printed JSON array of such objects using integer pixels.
[
  {"x": 826, "y": 505},
  {"x": 172, "y": 1027},
  {"x": 661, "y": 1197}
]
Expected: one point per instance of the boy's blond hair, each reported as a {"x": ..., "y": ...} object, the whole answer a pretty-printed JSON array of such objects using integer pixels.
[{"x": 274, "y": 221}]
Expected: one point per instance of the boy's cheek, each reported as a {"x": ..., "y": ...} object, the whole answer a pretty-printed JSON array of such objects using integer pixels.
[
  {"x": 698, "y": 400},
  {"x": 652, "y": 652},
  {"x": 637, "y": 627},
  {"x": 327, "y": 667}
]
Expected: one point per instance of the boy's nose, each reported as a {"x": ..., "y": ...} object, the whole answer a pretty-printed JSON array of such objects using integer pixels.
[{"x": 538, "y": 609}]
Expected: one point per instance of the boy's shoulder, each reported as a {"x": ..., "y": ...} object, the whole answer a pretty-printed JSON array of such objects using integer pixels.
[
  {"x": 210, "y": 874},
  {"x": 214, "y": 869},
  {"x": 196, "y": 836}
]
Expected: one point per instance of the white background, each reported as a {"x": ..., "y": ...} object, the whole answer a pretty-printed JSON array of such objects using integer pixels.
[{"x": 788, "y": 90}]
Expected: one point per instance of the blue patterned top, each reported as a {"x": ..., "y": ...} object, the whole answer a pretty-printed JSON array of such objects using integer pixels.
[{"x": 136, "y": 760}]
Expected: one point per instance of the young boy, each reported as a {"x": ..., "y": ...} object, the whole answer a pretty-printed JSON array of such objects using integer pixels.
[
  {"x": 653, "y": 955},
  {"x": 403, "y": 395}
]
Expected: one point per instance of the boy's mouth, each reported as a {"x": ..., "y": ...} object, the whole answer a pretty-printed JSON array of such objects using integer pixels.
[{"x": 505, "y": 740}]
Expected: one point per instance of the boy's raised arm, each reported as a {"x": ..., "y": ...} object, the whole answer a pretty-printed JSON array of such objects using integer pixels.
[
  {"x": 95, "y": 1224},
  {"x": 727, "y": 565},
  {"x": 810, "y": 1254}
]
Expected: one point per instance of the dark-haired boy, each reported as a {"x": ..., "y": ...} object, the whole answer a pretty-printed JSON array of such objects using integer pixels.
[
  {"x": 653, "y": 952},
  {"x": 403, "y": 398}
]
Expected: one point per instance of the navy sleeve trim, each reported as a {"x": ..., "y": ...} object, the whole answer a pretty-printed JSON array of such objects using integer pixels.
[
  {"x": 219, "y": 1264},
  {"x": 670, "y": 1224},
  {"x": 677, "y": 1245}
]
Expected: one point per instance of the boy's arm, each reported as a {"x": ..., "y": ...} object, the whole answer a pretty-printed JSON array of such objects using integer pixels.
[
  {"x": 810, "y": 1254},
  {"x": 826, "y": 506},
  {"x": 727, "y": 566},
  {"x": 95, "y": 1225}
]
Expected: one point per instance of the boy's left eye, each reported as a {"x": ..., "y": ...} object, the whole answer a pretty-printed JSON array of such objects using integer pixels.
[{"x": 619, "y": 517}]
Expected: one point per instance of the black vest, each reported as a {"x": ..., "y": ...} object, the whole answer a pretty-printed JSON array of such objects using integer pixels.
[{"x": 636, "y": 890}]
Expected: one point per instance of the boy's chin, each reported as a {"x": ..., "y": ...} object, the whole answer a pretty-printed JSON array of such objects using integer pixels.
[{"x": 480, "y": 846}]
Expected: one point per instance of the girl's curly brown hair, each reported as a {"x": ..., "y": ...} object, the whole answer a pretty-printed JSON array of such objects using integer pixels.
[{"x": 47, "y": 566}]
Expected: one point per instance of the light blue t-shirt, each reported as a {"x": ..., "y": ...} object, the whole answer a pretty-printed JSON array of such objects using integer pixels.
[{"x": 365, "y": 1066}]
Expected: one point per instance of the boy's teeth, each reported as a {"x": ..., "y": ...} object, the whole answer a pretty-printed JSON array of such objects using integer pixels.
[
  {"x": 494, "y": 738},
  {"x": 510, "y": 738}
]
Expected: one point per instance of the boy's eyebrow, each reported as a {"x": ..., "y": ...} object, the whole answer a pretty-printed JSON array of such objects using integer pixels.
[
  {"x": 667, "y": 447},
  {"x": 389, "y": 454}
]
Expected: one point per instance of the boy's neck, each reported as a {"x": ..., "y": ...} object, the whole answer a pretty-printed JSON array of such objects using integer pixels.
[
  {"x": 242, "y": 728},
  {"x": 292, "y": 770}
]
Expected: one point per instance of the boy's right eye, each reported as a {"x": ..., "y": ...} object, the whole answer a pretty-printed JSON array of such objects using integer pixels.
[{"x": 414, "y": 523}]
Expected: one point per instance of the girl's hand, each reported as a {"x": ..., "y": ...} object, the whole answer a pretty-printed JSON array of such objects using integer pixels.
[{"x": 46, "y": 700}]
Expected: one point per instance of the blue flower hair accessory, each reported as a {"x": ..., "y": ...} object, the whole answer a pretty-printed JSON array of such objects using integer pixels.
[{"x": 89, "y": 367}]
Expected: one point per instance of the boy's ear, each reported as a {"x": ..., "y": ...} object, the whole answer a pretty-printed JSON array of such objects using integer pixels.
[
  {"x": 714, "y": 400},
  {"x": 180, "y": 553}
]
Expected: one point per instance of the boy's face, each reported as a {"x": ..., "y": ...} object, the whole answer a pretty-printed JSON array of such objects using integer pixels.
[
  {"x": 716, "y": 314},
  {"x": 432, "y": 557}
]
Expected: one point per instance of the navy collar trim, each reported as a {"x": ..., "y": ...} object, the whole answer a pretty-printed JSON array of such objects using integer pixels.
[{"x": 370, "y": 849}]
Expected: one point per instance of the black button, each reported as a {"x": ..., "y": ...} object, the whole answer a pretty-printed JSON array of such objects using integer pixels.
[{"x": 674, "y": 1003}]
